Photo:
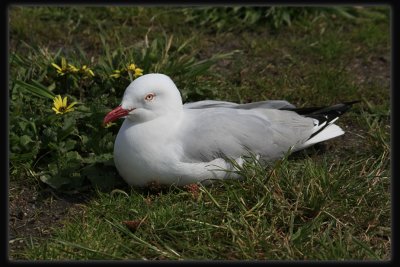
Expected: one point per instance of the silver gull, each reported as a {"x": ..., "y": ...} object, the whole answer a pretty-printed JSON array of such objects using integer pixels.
[{"x": 165, "y": 141}]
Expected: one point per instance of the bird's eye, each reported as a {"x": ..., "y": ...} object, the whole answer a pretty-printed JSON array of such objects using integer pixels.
[{"x": 149, "y": 97}]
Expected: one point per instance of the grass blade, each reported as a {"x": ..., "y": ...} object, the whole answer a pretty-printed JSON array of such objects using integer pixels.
[{"x": 36, "y": 89}]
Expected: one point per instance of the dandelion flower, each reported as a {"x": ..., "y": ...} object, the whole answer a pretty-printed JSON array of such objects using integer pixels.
[{"x": 60, "y": 105}]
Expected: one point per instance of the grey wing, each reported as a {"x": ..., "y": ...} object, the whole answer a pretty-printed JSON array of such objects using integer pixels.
[
  {"x": 215, "y": 132},
  {"x": 209, "y": 104},
  {"x": 269, "y": 104}
]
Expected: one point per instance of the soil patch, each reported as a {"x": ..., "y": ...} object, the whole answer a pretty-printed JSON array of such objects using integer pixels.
[{"x": 33, "y": 213}]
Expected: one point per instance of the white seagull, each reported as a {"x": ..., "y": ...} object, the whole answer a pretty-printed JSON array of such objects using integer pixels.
[{"x": 165, "y": 141}]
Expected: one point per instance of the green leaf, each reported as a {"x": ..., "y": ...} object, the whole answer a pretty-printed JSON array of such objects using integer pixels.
[
  {"x": 68, "y": 128},
  {"x": 55, "y": 181},
  {"x": 24, "y": 140},
  {"x": 286, "y": 18},
  {"x": 36, "y": 89},
  {"x": 69, "y": 144},
  {"x": 73, "y": 156},
  {"x": 51, "y": 87},
  {"x": 23, "y": 157},
  {"x": 103, "y": 158},
  {"x": 22, "y": 125}
]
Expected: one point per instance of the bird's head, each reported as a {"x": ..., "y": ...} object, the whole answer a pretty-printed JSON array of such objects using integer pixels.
[{"x": 146, "y": 98}]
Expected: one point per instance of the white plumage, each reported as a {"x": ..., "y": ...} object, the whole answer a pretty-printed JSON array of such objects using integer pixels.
[{"x": 165, "y": 141}]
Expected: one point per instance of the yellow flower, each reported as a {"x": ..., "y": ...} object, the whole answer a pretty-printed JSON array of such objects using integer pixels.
[
  {"x": 138, "y": 72},
  {"x": 69, "y": 68},
  {"x": 60, "y": 105},
  {"x": 116, "y": 75},
  {"x": 131, "y": 67},
  {"x": 72, "y": 68},
  {"x": 108, "y": 125},
  {"x": 60, "y": 70},
  {"x": 87, "y": 70},
  {"x": 135, "y": 70},
  {"x": 63, "y": 69}
]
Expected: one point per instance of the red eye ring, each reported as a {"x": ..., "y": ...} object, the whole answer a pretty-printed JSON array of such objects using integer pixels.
[{"x": 149, "y": 97}]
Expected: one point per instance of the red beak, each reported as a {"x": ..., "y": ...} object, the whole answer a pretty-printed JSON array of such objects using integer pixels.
[{"x": 115, "y": 114}]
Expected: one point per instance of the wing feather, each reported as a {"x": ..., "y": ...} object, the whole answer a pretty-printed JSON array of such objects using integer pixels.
[{"x": 214, "y": 132}]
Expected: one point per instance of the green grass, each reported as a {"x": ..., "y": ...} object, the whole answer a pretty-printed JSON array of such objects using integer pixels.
[
  {"x": 303, "y": 209},
  {"x": 315, "y": 206}
]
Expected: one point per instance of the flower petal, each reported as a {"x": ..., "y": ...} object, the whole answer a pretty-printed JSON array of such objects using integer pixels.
[
  {"x": 71, "y": 105},
  {"x": 63, "y": 63},
  {"x": 57, "y": 102},
  {"x": 138, "y": 72},
  {"x": 56, "y": 110},
  {"x": 56, "y": 66},
  {"x": 131, "y": 67},
  {"x": 73, "y": 68},
  {"x": 116, "y": 75},
  {"x": 64, "y": 102},
  {"x": 108, "y": 125}
]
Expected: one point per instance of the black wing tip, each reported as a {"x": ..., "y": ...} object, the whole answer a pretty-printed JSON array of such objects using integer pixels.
[
  {"x": 309, "y": 111},
  {"x": 331, "y": 112},
  {"x": 351, "y": 102},
  {"x": 341, "y": 107}
]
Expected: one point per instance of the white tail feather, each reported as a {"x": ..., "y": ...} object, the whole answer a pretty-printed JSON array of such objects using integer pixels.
[{"x": 331, "y": 131}]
